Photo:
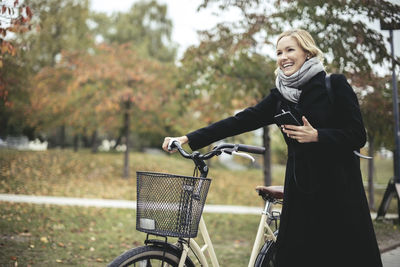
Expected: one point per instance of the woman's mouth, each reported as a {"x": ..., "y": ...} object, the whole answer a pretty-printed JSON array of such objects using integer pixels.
[{"x": 287, "y": 65}]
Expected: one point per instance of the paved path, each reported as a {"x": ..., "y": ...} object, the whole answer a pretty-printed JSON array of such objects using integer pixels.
[
  {"x": 390, "y": 258},
  {"x": 126, "y": 204},
  {"x": 110, "y": 203}
]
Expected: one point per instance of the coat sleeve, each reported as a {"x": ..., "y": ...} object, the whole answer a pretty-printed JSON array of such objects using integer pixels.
[
  {"x": 351, "y": 132},
  {"x": 247, "y": 120}
]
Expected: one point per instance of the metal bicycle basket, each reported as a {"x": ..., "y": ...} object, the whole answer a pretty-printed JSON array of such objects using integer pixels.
[{"x": 170, "y": 205}]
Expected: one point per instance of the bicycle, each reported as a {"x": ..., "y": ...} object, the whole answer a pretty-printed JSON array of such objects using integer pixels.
[{"x": 177, "y": 213}]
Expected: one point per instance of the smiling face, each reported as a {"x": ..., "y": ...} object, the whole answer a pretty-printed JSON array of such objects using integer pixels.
[{"x": 290, "y": 55}]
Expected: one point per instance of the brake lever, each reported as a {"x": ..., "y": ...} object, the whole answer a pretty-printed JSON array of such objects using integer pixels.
[{"x": 244, "y": 155}]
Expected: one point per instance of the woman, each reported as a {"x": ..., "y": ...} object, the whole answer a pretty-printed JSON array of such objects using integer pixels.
[{"x": 325, "y": 219}]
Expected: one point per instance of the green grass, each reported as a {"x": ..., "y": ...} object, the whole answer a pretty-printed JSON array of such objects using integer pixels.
[
  {"x": 57, "y": 173},
  {"x": 38, "y": 235},
  {"x": 42, "y": 235},
  {"x": 382, "y": 174},
  {"x": 83, "y": 174},
  {"x": 383, "y": 169}
]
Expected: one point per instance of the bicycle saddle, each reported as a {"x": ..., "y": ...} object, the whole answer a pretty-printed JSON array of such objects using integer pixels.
[{"x": 275, "y": 191}]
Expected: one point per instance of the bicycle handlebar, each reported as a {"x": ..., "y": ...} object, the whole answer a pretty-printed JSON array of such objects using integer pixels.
[
  {"x": 251, "y": 149},
  {"x": 224, "y": 147}
]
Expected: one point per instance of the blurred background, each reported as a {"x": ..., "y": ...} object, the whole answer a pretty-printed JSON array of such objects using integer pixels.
[
  {"x": 89, "y": 89},
  {"x": 116, "y": 76}
]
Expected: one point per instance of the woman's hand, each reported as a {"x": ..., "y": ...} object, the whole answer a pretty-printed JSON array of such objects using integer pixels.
[
  {"x": 182, "y": 139},
  {"x": 302, "y": 134}
]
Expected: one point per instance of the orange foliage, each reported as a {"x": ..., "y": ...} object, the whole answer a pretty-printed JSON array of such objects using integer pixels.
[
  {"x": 15, "y": 18},
  {"x": 88, "y": 91}
]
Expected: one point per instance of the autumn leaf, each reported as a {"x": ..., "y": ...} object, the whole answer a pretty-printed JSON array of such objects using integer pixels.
[
  {"x": 44, "y": 239},
  {"x": 28, "y": 12}
]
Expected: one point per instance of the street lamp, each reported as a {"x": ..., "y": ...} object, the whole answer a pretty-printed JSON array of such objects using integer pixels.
[{"x": 393, "y": 188}]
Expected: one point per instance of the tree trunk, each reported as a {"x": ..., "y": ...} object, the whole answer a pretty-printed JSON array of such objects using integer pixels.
[
  {"x": 94, "y": 142},
  {"x": 85, "y": 139},
  {"x": 267, "y": 157},
  {"x": 76, "y": 142},
  {"x": 62, "y": 136},
  {"x": 126, "y": 127},
  {"x": 371, "y": 198}
]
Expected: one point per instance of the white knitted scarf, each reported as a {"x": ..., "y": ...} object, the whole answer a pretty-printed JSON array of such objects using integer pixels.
[{"x": 288, "y": 85}]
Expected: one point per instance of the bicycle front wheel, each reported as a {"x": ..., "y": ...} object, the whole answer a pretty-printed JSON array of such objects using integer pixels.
[{"x": 150, "y": 256}]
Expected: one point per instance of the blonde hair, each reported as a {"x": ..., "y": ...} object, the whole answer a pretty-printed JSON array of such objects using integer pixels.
[{"x": 305, "y": 41}]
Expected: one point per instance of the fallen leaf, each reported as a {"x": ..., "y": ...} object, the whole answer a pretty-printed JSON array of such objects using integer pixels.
[
  {"x": 44, "y": 239},
  {"x": 25, "y": 234}
]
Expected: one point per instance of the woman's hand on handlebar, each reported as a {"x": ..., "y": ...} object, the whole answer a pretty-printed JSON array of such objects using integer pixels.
[{"x": 182, "y": 139}]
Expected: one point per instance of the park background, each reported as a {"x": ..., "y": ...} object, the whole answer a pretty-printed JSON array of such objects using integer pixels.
[{"x": 96, "y": 90}]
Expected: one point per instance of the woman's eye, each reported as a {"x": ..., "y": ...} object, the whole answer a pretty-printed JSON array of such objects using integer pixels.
[{"x": 279, "y": 53}]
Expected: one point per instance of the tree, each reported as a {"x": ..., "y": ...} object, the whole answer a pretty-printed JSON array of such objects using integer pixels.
[
  {"x": 14, "y": 17},
  {"x": 145, "y": 26},
  {"x": 90, "y": 93},
  {"x": 13, "y": 97},
  {"x": 61, "y": 25},
  {"x": 342, "y": 29},
  {"x": 377, "y": 112},
  {"x": 224, "y": 73},
  {"x": 55, "y": 26}
]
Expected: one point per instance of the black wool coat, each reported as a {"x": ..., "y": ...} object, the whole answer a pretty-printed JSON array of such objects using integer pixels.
[{"x": 325, "y": 218}]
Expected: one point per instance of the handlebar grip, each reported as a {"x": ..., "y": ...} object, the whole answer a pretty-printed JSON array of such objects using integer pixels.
[
  {"x": 251, "y": 149},
  {"x": 172, "y": 144}
]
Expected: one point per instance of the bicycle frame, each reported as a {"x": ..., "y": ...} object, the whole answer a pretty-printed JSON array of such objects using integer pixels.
[{"x": 264, "y": 232}]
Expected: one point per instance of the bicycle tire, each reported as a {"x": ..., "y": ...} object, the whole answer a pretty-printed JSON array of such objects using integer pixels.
[
  {"x": 148, "y": 255},
  {"x": 266, "y": 257}
]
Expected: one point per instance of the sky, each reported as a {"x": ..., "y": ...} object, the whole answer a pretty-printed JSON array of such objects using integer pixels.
[{"x": 187, "y": 21}]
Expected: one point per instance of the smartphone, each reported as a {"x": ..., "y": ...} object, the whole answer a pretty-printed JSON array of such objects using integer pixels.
[{"x": 286, "y": 118}]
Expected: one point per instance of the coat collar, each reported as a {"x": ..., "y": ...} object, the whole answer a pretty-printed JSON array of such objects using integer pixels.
[{"x": 312, "y": 90}]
